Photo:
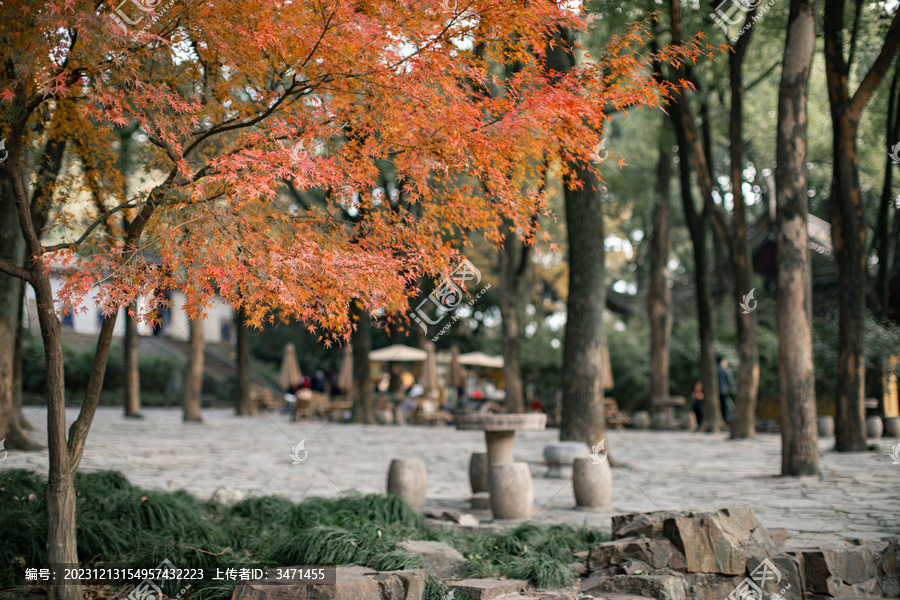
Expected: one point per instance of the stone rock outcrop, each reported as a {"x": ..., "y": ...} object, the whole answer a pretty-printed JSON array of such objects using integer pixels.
[
  {"x": 487, "y": 589},
  {"x": 353, "y": 583},
  {"x": 441, "y": 559}
]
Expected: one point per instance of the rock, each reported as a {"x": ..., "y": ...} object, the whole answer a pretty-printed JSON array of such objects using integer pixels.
[
  {"x": 648, "y": 524},
  {"x": 487, "y": 589},
  {"x": 353, "y": 583},
  {"x": 828, "y": 571},
  {"x": 462, "y": 519},
  {"x": 441, "y": 559},
  {"x": 227, "y": 496},
  {"x": 710, "y": 586},
  {"x": 640, "y": 420},
  {"x": 561, "y": 455},
  {"x": 578, "y": 569},
  {"x": 660, "y": 587},
  {"x": 591, "y": 482},
  {"x": 407, "y": 479},
  {"x": 826, "y": 426},
  {"x": 779, "y": 537},
  {"x": 658, "y": 553},
  {"x": 888, "y": 569}
]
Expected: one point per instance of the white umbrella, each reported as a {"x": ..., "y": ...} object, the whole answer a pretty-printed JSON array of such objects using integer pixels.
[
  {"x": 398, "y": 353},
  {"x": 289, "y": 376}
]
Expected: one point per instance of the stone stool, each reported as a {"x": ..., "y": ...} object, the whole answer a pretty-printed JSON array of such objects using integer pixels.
[
  {"x": 689, "y": 421},
  {"x": 512, "y": 493},
  {"x": 592, "y": 482},
  {"x": 892, "y": 427},
  {"x": 874, "y": 428},
  {"x": 826, "y": 426},
  {"x": 478, "y": 479},
  {"x": 640, "y": 420},
  {"x": 408, "y": 480},
  {"x": 561, "y": 455}
]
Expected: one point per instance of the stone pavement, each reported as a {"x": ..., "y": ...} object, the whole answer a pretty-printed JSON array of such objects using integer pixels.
[{"x": 855, "y": 497}]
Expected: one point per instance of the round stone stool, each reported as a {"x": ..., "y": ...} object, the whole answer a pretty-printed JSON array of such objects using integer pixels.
[
  {"x": 561, "y": 455},
  {"x": 592, "y": 482},
  {"x": 407, "y": 479},
  {"x": 640, "y": 420},
  {"x": 826, "y": 426},
  {"x": 892, "y": 427},
  {"x": 689, "y": 421},
  {"x": 478, "y": 472},
  {"x": 512, "y": 493},
  {"x": 874, "y": 428}
]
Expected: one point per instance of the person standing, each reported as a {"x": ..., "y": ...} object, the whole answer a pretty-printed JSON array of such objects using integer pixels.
[
  {"x": 726, "y": 383},
  {"x": 697, "y": 401}
]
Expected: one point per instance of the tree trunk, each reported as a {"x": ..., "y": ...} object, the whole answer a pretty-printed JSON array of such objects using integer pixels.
[
  {"x": 361, "y": 342},
  {"x": 193, "y": 385},
  {"x": 882, "y": 227},
  {"x": 12, "y": 249},
  {"x": 848, "y": 220},
  {"x": 582, "y": 372},
  {"x": 510, "y": 299},
  {"x": 799, "y": 434},
  {"x": 659, "y": 295},
  {"x": 132, "y": 372},
  {"x": 244, "y": 401},
  {"x": 743, "y": 423}
]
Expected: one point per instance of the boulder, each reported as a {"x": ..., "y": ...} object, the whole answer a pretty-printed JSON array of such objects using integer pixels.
[
  {"x": 839, "y": 570},
  {"x": 486, "y": 589},
  {"x": 710, "y": 586},
  {"x": 441, "y": 559},
  {"x": 658, "y": 553},
  {"x": 661, "y": 587},
  {"x": 648, "y": 524},
  {"x": 353, "y": 583}
]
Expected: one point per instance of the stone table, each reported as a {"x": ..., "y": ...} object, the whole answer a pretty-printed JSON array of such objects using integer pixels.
[{"x": 511, "y": 489}]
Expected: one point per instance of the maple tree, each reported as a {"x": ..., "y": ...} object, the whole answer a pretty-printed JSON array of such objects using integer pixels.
[{"x": 234, "y": 99}]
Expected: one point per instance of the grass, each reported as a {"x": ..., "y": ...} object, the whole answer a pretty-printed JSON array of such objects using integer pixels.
[{"x": 121, "y": 523}]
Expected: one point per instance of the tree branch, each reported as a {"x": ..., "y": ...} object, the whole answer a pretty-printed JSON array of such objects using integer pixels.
[
  {"x": 11, "y": 269},
  {"x": 879, "y": 68}
]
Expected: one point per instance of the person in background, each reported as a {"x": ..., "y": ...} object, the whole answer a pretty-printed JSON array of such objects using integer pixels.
[
  {"x": 697, "y": 401},
  {"x": 726, "y": 383}
]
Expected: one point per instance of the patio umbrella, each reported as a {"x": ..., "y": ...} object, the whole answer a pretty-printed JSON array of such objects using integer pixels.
[
  {"x": 455, "y": 378},
  {"x": 398, "y": 353},
  {"x": 345, "y": 377},
  {"x": 480, "y": 359},
  {"x": 429, "y": 372},
  {"x": 289, "y": 376}
]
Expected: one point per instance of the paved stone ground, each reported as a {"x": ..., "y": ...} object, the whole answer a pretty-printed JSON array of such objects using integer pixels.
[{"x": 856, "y": 495}]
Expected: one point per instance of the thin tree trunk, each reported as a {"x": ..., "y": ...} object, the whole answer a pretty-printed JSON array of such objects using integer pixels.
[
  {"x": 510, "y": 299},
  {"x": 743, "y": 424},
  {"x": 882, "y": 227},
  {"x": 689, "y": 146},
  {"x": 193, "y": 385},
  {"x": 361, "y": 341},
  {"x": 132, "y": 371},
  {"x": 799, "y": 435},
  {"x": 848, "y": 220},
  {"x": 659, "y": 295},
  {"x": 244, "y": 401}
]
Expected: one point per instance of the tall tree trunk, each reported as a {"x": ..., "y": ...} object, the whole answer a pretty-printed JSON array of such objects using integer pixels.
[
  {"x": 689, "y": 146},
  {"x": 582, "y": 372},
  {"x": 361, "y": 341},
  {"x": 743, "y": 424},
  {"x": 799, "y": 434},
  {"x": 12, "y": 249},
  {"x": 132, "y": 371},
  {"x": 848, "y": 220},
  {"x": 244, "y": 401},
  {"x": 193, "y": 385},
  {"x": 510, "y": 313},
  {"x": 882, "y": 227},
  {"x": 659, "y": 295}
]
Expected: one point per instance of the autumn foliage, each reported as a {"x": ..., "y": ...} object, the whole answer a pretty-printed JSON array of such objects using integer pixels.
[{"x": 230, "y": 101}]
